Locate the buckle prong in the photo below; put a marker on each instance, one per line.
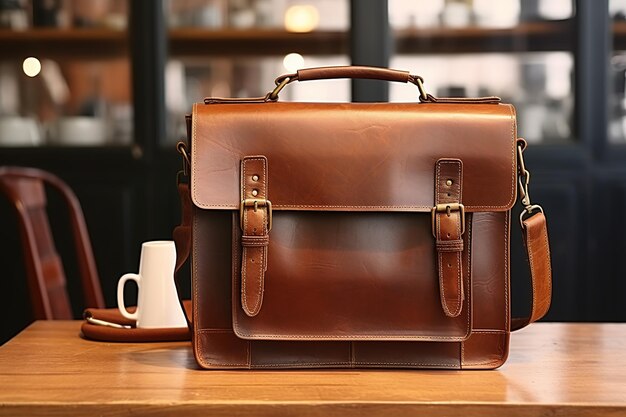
(255, 204)
(448, 208)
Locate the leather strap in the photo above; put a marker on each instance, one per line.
(255, 237)
(448, 231)
(182, 239)
(535, 234)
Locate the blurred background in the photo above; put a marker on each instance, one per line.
(96, 92)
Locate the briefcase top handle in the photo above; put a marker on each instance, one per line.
(372, 73)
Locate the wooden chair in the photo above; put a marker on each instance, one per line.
(25, 188)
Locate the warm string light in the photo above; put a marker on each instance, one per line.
(293, 62)
(31, 66)
(301, 18)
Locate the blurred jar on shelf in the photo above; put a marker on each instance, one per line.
(98, 99)
(617, 101)
(209, 14)
(110, 14)
(19, 131)
(13, 14)
(617, 98)
(73, 102)
(494, 14)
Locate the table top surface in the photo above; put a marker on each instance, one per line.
(553, 368)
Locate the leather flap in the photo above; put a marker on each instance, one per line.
(354, 156)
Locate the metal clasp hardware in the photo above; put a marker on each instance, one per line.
(448, 208)
(273, 95)
(523, 177)
(419, 82)
(256, 203)
(524, 180)
(181, 147)
(181, 175)
(528, 210)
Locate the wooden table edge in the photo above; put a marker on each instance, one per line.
(314, 408)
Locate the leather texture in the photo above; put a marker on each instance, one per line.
(383, 241)
(354, 157)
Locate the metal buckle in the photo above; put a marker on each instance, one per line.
(528, 210)
(256, 203)
(524, 180)
(181, 147)
(448, 208)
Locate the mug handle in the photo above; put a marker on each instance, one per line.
(120, 296)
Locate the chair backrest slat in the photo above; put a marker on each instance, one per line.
(25, 188)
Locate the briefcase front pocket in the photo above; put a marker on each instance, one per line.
(350, 276)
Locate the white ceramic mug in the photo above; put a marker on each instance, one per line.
(157, 304)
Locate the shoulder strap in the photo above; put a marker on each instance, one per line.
(535, 234)
(182, 239)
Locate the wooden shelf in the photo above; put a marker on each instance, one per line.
(229, 42)
(536, 36)
(103, 43)
(66, 43)
(531, 36)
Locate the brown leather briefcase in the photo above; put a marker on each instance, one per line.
(356, 235)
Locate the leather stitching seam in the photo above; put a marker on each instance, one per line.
(507, 271)
(382, 364)
(491, 332)
(459, 300)
(532, 274)
(442, 288)
(277, 207)
(469, 286)
(357, 338)
(244, 251)
(548, 260)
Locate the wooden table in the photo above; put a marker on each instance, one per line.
(553, 369)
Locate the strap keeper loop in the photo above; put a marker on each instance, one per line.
(455, 245)
(263, 240)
